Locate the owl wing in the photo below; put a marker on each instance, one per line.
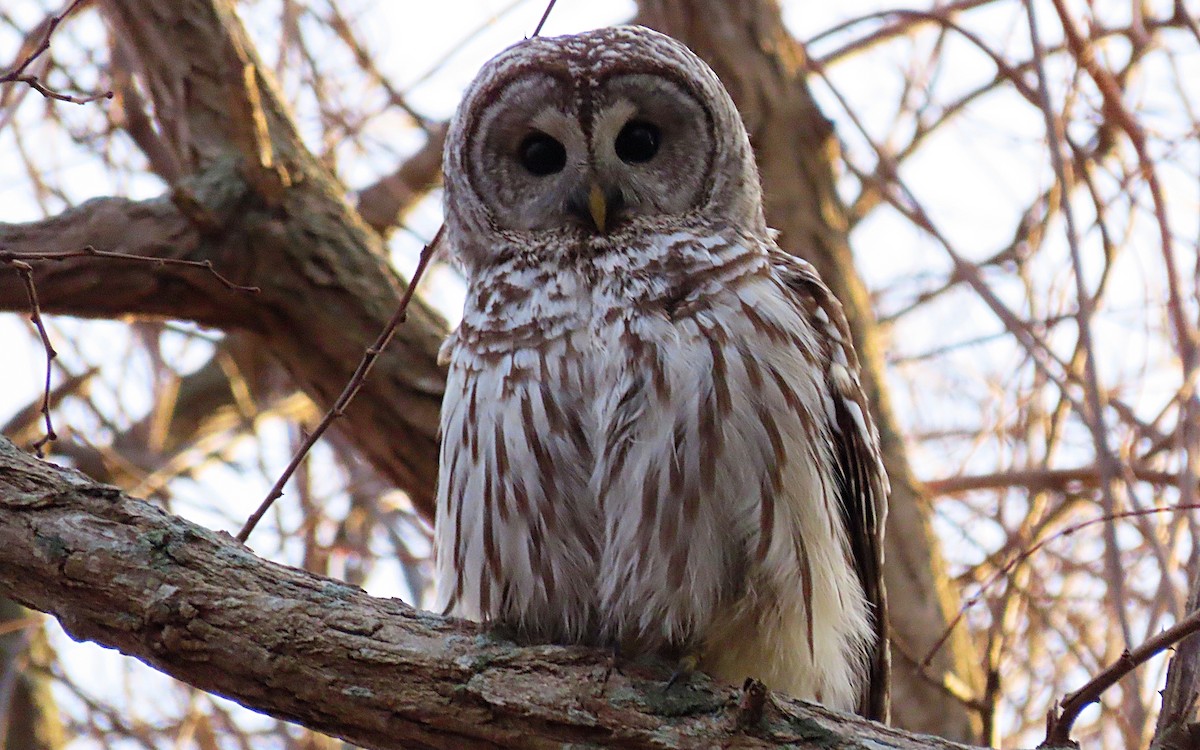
(862, 481)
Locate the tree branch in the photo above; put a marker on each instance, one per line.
(1078, 479)
(200, 607)
(93, 287)
(266, 214)
(1062, 718)
(382, 204)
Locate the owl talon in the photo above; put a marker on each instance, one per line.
(684, 668)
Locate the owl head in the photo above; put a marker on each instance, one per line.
(591, 137)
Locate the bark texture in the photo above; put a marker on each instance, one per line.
(197, 605)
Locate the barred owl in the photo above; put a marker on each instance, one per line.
(653, 434)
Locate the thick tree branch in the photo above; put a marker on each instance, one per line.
(195, 604)
(104, 288)
(325, 295)
(327, 288)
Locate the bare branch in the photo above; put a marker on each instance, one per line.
(202, 608)
(1059, 722)
(35, 315)
(18, 74)
(1028, 552)
(36, 84)
(545, 16)
(50, 26)
(21, 260)
(1040, 480)
(349, 392)
(162, 282)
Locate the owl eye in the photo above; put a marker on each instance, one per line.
(541, 154)
(637, 142)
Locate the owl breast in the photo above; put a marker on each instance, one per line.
(715, 472)
(518, 536)
(636, 451)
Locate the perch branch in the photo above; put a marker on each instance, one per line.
(200, 607)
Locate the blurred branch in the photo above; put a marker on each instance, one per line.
(383, 204)
(47, 29)
(1024, 554)
(1062, 719)
(18, 75)
(22, 426)
(29, 716)
(1040, 480)
(1093, 414)
(1115, 110)
(899, 22)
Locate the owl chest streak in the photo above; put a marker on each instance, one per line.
(585, 411)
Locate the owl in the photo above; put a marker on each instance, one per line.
(653, 433)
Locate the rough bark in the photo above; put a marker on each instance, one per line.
(197, 605)
(764, 69)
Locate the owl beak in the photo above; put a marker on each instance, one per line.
(598, 206)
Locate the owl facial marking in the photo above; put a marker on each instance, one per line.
(600, 133)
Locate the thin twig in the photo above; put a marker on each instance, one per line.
(35, 315)
(8, 256)
(1027, 553)
(348, 393)
(1093, 417)
(18, 74)
(22, 264)
(1114, 108)
(546, 15)
(36, 84)
(900, 23)
(42, 47)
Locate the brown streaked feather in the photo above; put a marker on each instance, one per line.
(861, 477)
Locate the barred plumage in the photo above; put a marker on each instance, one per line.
(653, 432)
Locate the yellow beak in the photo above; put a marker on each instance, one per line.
(598, 206)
